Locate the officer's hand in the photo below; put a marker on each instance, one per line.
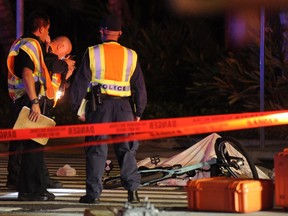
(35, 112)
(82, 118)
(47, 40)
(71, 67)
(137, 119)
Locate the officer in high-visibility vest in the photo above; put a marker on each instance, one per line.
(60, 68)
(60, 71)
(28, 79)
(110, 73)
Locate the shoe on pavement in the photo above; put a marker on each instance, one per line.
(53, 184)
(50, 184)
(133, 197)
(51, 196)
(47, 196)
(86, 199)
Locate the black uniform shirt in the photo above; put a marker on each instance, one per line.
(23, 60)
(54, 64)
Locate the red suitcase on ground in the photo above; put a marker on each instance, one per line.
(281, 178)
(229, 194)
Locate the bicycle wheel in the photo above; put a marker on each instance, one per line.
(146, 179)
(151, 178)
(112, 182)
(233, 157)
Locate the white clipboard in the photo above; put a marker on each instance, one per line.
(81, 110)
(23, 122)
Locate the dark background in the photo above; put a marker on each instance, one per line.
(188, 67)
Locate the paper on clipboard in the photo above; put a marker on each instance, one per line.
(81, 110)
(23, 122)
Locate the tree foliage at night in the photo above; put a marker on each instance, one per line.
(187, 68)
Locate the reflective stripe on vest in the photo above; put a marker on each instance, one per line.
(33, 48)
(56, 81)
(112, 66)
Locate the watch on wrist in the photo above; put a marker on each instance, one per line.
(35, 101)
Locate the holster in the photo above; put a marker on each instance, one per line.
(94, 97)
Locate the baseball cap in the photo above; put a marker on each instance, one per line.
(111, 22)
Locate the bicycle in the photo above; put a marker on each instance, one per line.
(232, 161)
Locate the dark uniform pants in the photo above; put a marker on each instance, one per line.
(31, 176)
(111, 110)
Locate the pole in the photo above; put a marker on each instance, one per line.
(19, 18)
(262, 72)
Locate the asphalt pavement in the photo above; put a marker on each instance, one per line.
(165, 200)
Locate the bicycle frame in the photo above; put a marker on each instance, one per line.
(232, 160)
(168, 173)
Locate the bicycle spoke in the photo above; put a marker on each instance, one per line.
(234, 157)
(244, 168)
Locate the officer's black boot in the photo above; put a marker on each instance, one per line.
(133, 197)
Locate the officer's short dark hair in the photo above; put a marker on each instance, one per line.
(37, 20)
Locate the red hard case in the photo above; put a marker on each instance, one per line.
(281, 178)
(224, 194)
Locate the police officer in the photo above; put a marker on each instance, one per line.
(29, 77)
(114, 71)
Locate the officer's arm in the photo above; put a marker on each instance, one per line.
(138, 84)
(29, 84)
(54, 64)
(80, 83)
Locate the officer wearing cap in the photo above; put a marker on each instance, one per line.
(112, 75)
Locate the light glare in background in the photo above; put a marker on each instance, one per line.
(213, 6)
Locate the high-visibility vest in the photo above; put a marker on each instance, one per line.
(112, 66)
(56, 81)
(15, 85)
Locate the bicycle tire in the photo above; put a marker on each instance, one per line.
(146, 179)
(112, 182)
(152, 178)
(228, 147)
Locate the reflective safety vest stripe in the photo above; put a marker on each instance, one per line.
(33, 48)
(112, 66)
(56, 81)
